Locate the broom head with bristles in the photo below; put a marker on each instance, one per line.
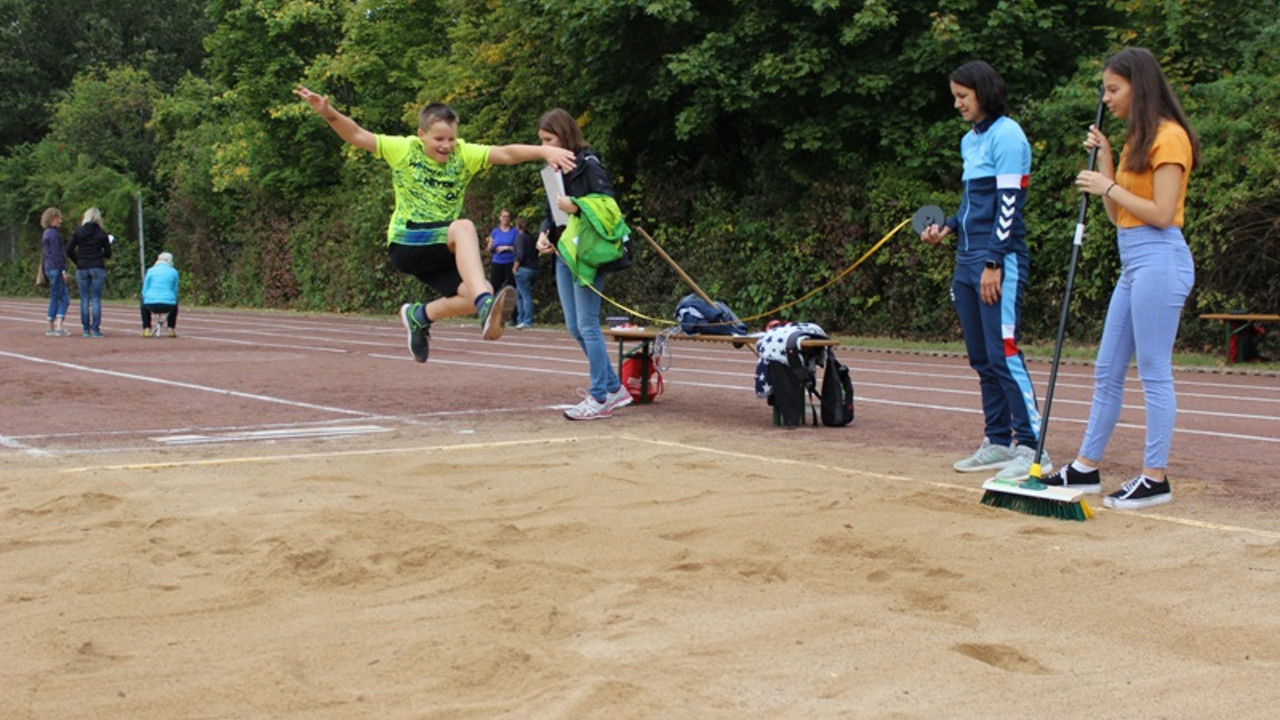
(1033, 497)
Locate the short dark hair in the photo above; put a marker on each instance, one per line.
(435, 112)
(986, 84)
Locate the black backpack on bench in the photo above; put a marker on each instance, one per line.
(795, 381)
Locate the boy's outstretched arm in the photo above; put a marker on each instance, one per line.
(515, 154)
(346, 128)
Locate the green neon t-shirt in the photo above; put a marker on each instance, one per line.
(429, 194)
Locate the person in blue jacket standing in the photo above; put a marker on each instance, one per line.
(160, 295)
(54, 266)
(992, 263)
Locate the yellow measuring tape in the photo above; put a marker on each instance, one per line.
(780, 308)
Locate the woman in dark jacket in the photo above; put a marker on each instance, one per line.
(581, 303)
(90, 249)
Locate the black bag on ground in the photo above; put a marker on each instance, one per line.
(697, 316)
(791, 388)
(794, 382)
(837, 393)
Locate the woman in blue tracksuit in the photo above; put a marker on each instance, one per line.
(992, 263)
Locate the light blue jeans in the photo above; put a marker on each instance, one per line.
(59, 295)
(1156, 275)
(91, 283)
(524, 295)
(582, 318)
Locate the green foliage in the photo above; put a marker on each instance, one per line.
(45, 45)
(766, 144)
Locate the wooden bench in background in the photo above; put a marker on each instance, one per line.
(1237, 323)
(646, 337)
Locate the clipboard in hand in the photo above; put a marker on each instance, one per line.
(553, 183)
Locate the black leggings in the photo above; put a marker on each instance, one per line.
(170, 310)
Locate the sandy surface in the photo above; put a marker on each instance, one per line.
(604, 575)
(448, 546)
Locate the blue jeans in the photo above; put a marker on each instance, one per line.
(524, 295)
(59, 295)
(91, 282)
(1156, 275)
(582, 318)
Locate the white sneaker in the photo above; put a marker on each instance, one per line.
(618, 398)
(589, 409)
(987, 457)
(1020, 467)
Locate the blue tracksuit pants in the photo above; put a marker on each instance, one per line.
(991, 333)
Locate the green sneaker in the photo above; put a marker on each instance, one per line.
(987, 457)
(495, 310)
(419, 333)
(1019, 468)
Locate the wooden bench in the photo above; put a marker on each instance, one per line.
(646, 337)
(1236, 324)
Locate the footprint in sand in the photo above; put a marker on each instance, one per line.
(1002, 657)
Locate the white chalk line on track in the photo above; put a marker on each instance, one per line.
(862, 383)
(711, 352)
(612, 439)
(363, 414)
(340, 325)
(294, 433)
(185, 385)
(13, 443)
(320, 455)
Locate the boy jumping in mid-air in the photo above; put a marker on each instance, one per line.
(426, 238)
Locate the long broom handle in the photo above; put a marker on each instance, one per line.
(683, 275)
(1066, 297)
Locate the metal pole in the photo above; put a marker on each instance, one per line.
(142, 243)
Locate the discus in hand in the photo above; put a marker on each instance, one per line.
(926, 217)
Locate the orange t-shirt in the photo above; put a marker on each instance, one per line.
(1171, 146)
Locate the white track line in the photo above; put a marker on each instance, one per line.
(188, 386)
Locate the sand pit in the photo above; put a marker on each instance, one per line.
(606, 575)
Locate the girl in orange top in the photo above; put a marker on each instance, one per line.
(1144, 197)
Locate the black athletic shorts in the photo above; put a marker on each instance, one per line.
(433, 264)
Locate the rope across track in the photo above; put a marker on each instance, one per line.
(838, 277)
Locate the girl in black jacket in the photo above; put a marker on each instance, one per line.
(581, 303)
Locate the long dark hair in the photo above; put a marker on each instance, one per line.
(986, 84)
(1151, 101)
(561, 124)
